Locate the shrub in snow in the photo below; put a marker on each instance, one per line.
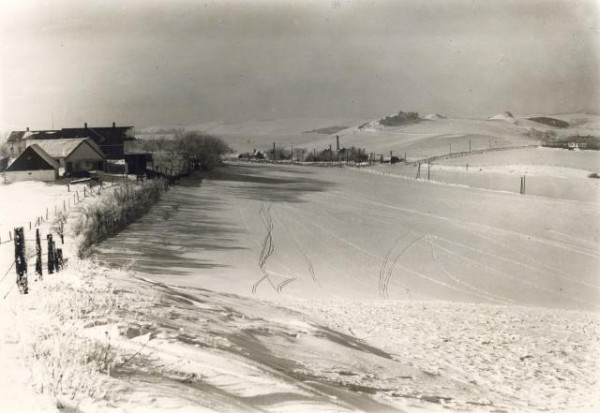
(113, 212)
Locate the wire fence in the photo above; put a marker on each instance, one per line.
(77, 193)
(32, 257)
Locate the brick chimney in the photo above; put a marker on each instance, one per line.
(85, 125)
(27, 129)
(114, 125)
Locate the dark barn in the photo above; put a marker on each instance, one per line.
(110, 139)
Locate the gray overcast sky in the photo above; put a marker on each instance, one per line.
(159, 62)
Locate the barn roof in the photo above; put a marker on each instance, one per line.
(39, 152)
(62, 148)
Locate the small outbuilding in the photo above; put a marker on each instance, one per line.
(33, 164)
(137, 160)
(74, 155)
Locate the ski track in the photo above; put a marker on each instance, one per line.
(541, 264)
(532, 284)
(387, 279)
(384, 287)
(513, 262)
(303, 227)
(267, 249)
(485, 228)
(462, 224)
(483, 293)
(476, 233)
(299, 248)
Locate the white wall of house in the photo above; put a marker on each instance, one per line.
(43, 175)
(84, 158)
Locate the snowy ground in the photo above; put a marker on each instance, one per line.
(551, 173)
(291, 289)
(25, 204)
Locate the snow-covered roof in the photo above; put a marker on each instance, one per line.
(62, 148)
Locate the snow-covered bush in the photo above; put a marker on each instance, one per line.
(112, 212)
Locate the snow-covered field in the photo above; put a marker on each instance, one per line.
(490, 296)
(553, 173)
(290, 289)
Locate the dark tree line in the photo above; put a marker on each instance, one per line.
(191, 149)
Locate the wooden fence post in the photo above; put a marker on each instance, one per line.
(419, 170)
(38, 254)
(50, 255)
(55, 256)
(20, 260)
(428, 170)
(59, 258)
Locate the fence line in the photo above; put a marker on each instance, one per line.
(66, 204)
(24, 258)
(453, 155)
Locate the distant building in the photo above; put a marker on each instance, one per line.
(110, 139)
(33, 164)
(73, 155)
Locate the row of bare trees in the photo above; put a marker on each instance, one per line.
(191, 150)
